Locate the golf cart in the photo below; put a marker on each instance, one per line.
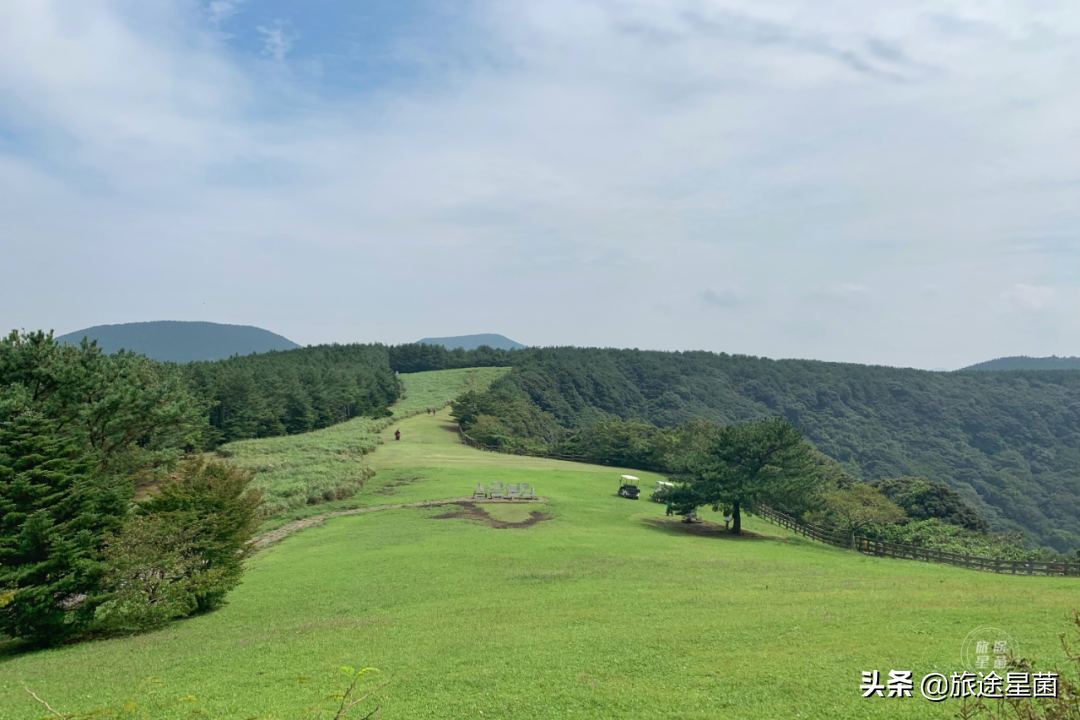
(662, 487)
(628, 490)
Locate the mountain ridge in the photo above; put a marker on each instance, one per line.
(471, 342)
(182, 341)
(1023, 362)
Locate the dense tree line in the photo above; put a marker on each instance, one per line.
(293, 391)
(1008, 442)
(421, 357)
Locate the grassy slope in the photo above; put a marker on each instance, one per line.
(597, 613)
(297, 471)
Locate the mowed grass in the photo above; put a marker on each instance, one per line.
(436, 389)
(298, 471)
(606, 610)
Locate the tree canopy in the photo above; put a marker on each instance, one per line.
(738, 467)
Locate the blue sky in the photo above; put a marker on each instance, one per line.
(869, 182)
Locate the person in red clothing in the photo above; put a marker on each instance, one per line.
(397, 434)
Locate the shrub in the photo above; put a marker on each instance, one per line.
(154, 573)
(923, 499)
(211, 511)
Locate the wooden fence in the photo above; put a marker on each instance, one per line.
(880, 548)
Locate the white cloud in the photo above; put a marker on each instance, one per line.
(1028, 297)
(218, 11)
(278, 40)
(565, 157)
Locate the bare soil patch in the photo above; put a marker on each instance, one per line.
(472, 511)
(274, 536)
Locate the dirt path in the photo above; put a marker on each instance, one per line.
(274, 536)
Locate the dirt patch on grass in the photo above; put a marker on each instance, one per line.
(472, 511)
(274, 536)
(705, 529)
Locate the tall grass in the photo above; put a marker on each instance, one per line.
(324, 465)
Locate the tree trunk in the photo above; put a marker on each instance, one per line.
(736, 520)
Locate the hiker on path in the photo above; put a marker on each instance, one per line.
(397, 434)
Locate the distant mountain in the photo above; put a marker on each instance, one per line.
(1023, 362)
(471, 342)
(182, 342)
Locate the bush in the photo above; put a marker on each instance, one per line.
(851, 510)
(154, 574)
(937, 535)
(186, 550)
(924, 499)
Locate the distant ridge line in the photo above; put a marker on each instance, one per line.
(182, 341)
(471, 342)
(1023, 362)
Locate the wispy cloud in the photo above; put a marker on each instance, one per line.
(278, 39)
(218, 11)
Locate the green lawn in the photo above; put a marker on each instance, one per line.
(606, 610)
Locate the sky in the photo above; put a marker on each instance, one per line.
(885, 183)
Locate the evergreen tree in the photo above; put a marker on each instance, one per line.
(737, 467)
(55, 512)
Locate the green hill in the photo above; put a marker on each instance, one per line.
(599, 608)
(181, 342)
(1023, 362)
(1008, 442)
(471, 342)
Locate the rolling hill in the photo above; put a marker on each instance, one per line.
(1009, 442)
(1023, 362)
(581, 604)
(182, 342)
(471, 342)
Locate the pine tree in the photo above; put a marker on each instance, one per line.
(54, 514)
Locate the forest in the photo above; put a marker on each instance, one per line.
(1008, 442)
(290, 392)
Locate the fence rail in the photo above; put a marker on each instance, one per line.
(519, 451)
(881, 548)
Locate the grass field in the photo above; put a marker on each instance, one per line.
(604, 610)
(298, 471)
